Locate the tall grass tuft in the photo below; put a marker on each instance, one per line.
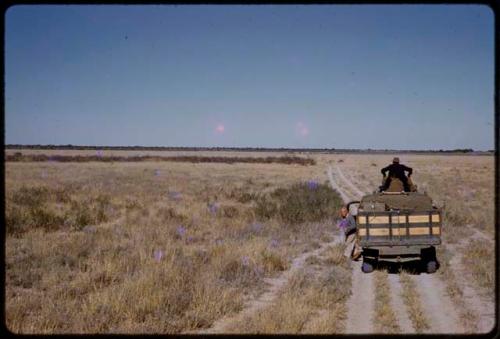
(299, 203)
(33, 207)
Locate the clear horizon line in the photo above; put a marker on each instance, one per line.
(41, 146)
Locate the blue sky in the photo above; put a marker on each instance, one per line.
(343, 76)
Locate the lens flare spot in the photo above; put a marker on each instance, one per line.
(220, 128)
(302, 129)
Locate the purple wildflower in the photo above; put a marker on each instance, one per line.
(213, 207)
(158, 255)
(219, 241)
(175, 195)
(256, 227)
(274, 243)
(98, 153)
(245, 261)
(312, 184)
(181, 231)
(157, 173)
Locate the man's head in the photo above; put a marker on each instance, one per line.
(395, 160)
(344, 211)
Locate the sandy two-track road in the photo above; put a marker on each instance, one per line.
(437, 306)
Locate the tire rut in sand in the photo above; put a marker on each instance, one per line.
(353, 187)
(398, 305)
(361, 302)
(360, 305)
(438, 307)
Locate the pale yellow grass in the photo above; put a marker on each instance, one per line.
(312, 302)
(104, 278)
(413, 305)
(385, 319)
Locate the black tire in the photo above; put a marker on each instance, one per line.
(431, 266)
(429, 261)
(367, 267)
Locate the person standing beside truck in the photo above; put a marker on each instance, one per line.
(396, 170)
(348, 225)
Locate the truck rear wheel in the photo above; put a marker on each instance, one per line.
(367, 266)
(431, 266)
(429, 260)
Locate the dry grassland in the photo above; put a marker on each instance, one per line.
(151, 247)
(312, 302)
(170, 247)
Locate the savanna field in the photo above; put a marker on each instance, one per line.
(172, 246)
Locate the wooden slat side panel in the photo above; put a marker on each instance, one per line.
(399, 231)
(398, 218)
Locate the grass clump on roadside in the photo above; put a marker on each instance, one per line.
(479, 259)
(299, 203)
(468, 318)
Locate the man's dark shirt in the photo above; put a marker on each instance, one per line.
(397, 170)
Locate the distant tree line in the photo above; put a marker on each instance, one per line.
(238, 149)
(288, 160)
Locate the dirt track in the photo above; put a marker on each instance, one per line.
(438, 307)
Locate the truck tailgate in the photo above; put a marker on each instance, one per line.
(393, 228)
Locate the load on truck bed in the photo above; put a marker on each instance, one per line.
(398, 227)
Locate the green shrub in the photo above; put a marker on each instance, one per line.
(46, 219)
(92, 211)
(19, 219)
(265, 207)
(31, 196)
(28, 207)
(80, 214)
(62, 195)
(299, 203)
(15, 219)
(241, 195)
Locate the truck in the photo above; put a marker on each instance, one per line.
(398, 226)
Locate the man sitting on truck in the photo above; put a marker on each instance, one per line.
(396, 170)
(348, 225)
